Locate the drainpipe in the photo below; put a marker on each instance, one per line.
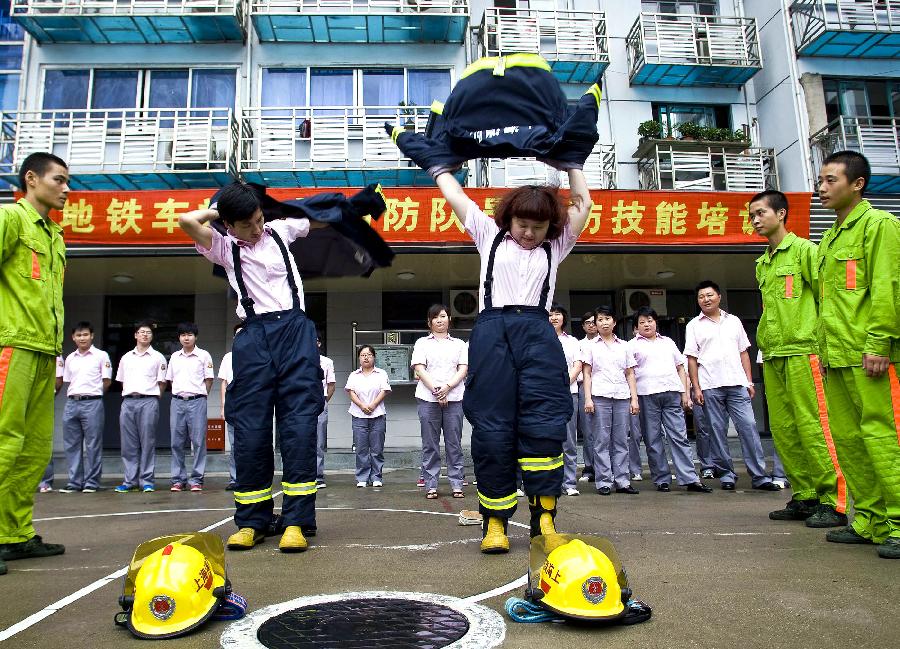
(752, 128)
(800, 116)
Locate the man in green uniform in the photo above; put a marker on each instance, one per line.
(859, 345)
(32, 264)
(788, 280)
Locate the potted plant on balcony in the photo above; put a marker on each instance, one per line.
(689, 130)
(408, 113)
(650, 130)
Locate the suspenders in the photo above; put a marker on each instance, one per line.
(489, 275)
(246, 300)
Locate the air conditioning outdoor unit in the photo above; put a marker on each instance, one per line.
(463, 303)
(634, 298)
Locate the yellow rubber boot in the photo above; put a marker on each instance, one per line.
(245, 538)
(293, 540)
(543, 512)
(495, 540)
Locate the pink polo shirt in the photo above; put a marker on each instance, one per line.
(225, 370)
(518, 273)
(367, 388)
(85, 372)
(441, 358)
(717, 346)
(262, 265)
(608, 363)
(327, 366)
(657, 364)
(188, 372)
(572, 349)
(141, 373)
(60, 366)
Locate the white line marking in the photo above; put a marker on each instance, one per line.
(135, 513)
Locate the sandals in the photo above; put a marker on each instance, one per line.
(457, 493)
(432, 494)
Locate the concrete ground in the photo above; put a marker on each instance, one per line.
(715, 569)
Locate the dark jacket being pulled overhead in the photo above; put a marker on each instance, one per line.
(504, 107)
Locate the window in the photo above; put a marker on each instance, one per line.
(9, 91)
(860, 98)
(283, 87)
(671, 115)
(330, 87)
(696, 7)
(407, 309)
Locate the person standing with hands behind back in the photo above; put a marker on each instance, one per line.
(367, 388)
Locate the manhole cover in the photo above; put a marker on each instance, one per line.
(365, 624)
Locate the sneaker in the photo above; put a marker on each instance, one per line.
(846, 535)
(89, 490)
(420, 482)
(780, 483)
(176, 487)
(377, 483)
(148, 488)
(45, 488)
(707, 474)
(124, 488)
(320, 484)
(795, 510)
(30, 549)
(572, 492)
(360, 485)
(604, 491)
(636, 477)
(768, 486)
(465, 483)
(584, 478)
(520, 493)
(890, 549)
(69, 489)
(826, 516)
(196, 487)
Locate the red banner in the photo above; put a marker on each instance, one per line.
(422, 216)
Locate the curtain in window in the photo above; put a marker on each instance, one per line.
(382, 88)
(168, 89)
(65, 89)
(9, 91)
(425, 86)
(331, 87)
(284, 87)
(212, 89)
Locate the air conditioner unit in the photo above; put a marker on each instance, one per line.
(634, 298)
(463, 303)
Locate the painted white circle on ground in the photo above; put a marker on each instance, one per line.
(486, 626)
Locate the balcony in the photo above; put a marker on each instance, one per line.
(126, 149)
(705, 166)
(326, 146)
(868, 29)
(131, 21)
(600, 170)
(573, 42)
(877, 138)
(691, 50)
(360, 21)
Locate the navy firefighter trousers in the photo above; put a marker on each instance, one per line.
(276, 367)
(518, 401)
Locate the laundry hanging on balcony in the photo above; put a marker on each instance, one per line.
(348, 248)
(505, 107)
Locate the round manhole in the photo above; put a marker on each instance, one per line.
(363, 624)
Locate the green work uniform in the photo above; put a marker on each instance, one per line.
(786, 336)
(32, 265)
(859, 313)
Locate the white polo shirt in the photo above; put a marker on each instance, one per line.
(141, 372)
(188, 372)
(85, 372)
(572, 349)
(327, 366)
(367, 388)
(441, 358)
(225, 371)
(717, 346)
(657, 364)
(608, 363)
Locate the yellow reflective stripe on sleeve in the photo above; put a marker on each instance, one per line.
(299, 488)
(595, 90)
(396, 133)
(524, 60)
(437, 107)
(507, 502)
(250, 497)
(540, 463)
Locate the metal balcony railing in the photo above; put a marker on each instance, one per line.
(123, 141)
(282, 7)
(812, 19)
(698, 166)
(692, 40)
(324, 137)
(125, 7)
(600, 170)
(877, 138)
(555, 35)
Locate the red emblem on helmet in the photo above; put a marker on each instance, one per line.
(162, 607)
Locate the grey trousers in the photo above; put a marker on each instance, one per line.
(368, 436)
(187, 421)
(47, 480)
(635, 434)
(662, 418)
(433, 419)
(585, 427)
(570, 449)
(702, 428)
(321, 442)
(83, 423)
(137, 427)
(610, 437)
(232, 472)
(733, 401)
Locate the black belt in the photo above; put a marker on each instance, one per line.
(190, 398)
(138, 396)
(85, 397)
